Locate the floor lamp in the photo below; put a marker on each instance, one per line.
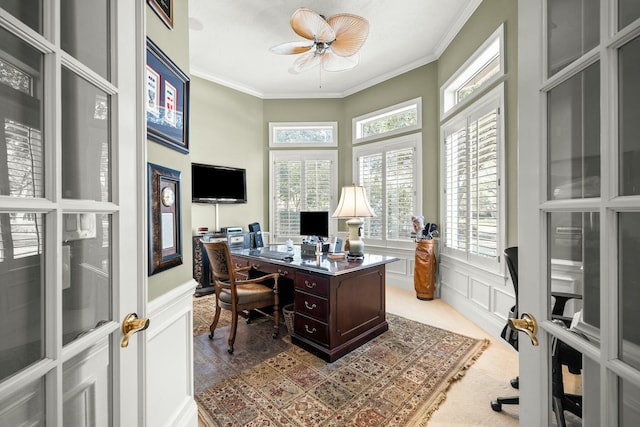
(354, 205)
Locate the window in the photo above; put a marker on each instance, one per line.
(472, 169)
(317, 134)
(404, 117)
(390, 171)
(301, 180)
(483, 68)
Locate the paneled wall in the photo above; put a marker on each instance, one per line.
(169, 359)
(483, 297)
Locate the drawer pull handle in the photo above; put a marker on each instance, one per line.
(310, 331)
(309, 307)
(309, 285)
(282, 272)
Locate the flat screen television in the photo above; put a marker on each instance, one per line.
(218, 184)
(314, 223)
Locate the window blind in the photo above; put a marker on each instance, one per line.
(472, 186)
(298, 185)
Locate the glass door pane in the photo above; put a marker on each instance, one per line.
(84, 32)
(85, 140)
(628, 11)
(21, 291)
(574, 136)
(21, 88)
(574, 270)
(629, 287)
(28, 11)
(629, 101)
(629, 408)
(86, 253)
(573, 30)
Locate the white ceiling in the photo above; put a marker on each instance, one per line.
(229, 43)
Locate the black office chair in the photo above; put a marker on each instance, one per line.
(508, 334)
(562, 353)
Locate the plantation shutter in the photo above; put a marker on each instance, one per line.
(483, 186)
(299, 185)
(317, 185)
(288, 190)
(400, 192)
(456, 225)
(370, 174)
(472, 186)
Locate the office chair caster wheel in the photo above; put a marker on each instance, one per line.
(496, 406)
(211, 336)
(274, 335)
(230, 349)
(515, 382)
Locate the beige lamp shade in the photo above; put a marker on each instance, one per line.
(353, 203)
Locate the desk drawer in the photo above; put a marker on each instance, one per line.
(239, 262)
(312, 306)
(311, 329)
(267, 268)
(314, 284)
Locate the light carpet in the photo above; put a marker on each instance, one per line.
(397, 379)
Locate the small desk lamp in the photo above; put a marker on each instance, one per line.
(353, 204)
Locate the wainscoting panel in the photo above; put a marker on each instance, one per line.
(455, 280)
(502, 303)
(481, 293)
(482, 296)
(169, 359)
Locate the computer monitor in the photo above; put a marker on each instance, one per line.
(314, 223)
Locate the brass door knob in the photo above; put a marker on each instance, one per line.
(527, 324)
(130, 325)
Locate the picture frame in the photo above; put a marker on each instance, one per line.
(167, 100)
(165, 234)
(164, 10)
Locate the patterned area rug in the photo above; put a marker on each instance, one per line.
(203, 310)
(397, 379)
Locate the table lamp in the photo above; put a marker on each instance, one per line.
(354, 205)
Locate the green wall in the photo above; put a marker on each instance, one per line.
(230, 128)
(227, 129)
(486, 19)
(175, 44)
(420, 82)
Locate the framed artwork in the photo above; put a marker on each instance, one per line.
(164, 9)
(165, 241)
(167, 101)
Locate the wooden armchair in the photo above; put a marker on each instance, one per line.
(238, 295)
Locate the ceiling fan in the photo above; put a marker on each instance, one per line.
(332, 42)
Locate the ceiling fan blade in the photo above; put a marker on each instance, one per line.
(333, 62)
(292, 48)
(308, 24)
(305, 62)
(351, 33)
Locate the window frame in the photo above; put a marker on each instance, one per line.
(357, 121)
(275, 126)
(494, 99)
(413, 141)
(302, 155)
(467, 71)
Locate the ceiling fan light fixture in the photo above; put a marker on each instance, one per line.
(332, 42)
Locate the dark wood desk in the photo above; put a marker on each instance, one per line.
(339, 305)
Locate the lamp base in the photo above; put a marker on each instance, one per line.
(355, 257)
(356, 245)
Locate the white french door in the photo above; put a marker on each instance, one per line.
(579, 208)
(71, 144)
